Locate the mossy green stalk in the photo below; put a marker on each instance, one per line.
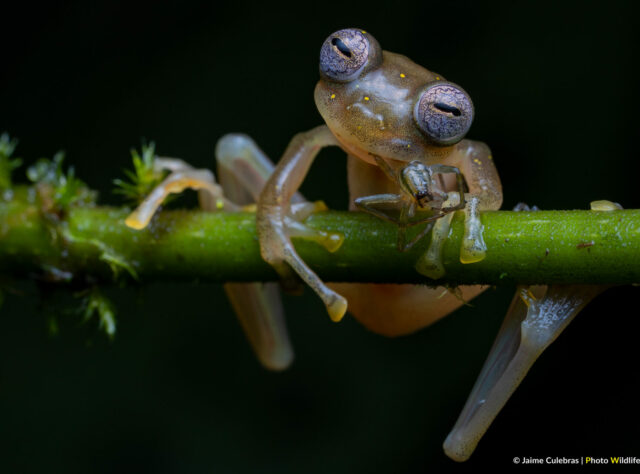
(523, 247)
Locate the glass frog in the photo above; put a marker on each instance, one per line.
(402, 127)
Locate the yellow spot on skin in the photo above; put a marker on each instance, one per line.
(408, 146)
(437, 78)
(490, 157)
(363, 32)
(402, 75)
(359, 127)
(333, 96)
(366, 98)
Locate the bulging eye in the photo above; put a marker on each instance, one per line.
(444, 113)
(347, 53)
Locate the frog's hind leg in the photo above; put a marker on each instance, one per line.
(258, 307)
(536, 317)
(243, 171)
(182, 176)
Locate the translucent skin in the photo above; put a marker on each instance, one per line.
(370, 114)
(374, 115)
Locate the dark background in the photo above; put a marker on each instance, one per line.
(179, 390)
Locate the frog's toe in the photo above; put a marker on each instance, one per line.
(604, 205)
(473, 248)
(430, 263)
(331, 241)
(211, 195)
(337, 308)
(278, 251)
(336, 304)
(535, 319)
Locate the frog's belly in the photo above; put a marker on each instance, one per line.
(394, 309)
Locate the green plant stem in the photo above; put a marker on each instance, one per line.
(523, 247)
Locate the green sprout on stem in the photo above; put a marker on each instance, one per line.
(96, 303)
(144, 176)
(7, 164)
(64, 189)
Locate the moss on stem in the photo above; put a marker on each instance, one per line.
(523, 247)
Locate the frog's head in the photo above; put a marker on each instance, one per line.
(381, 103)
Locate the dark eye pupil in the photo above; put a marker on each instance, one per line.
(447, 109)
(338, 43)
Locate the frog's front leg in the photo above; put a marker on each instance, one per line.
(391, 309)
(275, 221)
(423, 199)
(475, 163)
(430, 263)
(485, 193)
(399, 210)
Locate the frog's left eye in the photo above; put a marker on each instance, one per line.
(347, 53)
(444, 113)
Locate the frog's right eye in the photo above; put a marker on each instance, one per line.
(444, 113)
(347, 53)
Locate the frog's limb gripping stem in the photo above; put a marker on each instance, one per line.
(485, 193)
(243, 171)
(401, 209)
(398, 210)
(274, 209)
(430, 263)
(182, 176)
(444, 169)
(473, 248)
(331, 241)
